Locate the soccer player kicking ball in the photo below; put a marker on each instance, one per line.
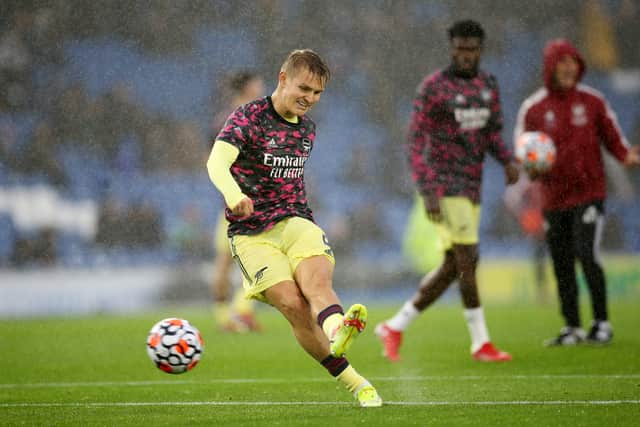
(456, 120)
(257, 163)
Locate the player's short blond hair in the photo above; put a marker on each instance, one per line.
(306, 59)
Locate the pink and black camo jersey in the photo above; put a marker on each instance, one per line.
(270, 166)
(455, 120)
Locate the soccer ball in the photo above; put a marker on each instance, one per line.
(535, 151)
(175, 345)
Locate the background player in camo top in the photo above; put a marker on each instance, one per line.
(456, 120)
(235, 314)
(257, 163)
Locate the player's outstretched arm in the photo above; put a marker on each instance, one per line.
(222, 157)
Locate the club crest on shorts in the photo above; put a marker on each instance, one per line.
(260, 273)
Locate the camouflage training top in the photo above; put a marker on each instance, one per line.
(455, 120)
(270, 166)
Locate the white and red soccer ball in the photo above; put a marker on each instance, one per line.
(535, 151)
(174, 345)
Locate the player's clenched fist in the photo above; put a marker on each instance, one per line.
(243, 208)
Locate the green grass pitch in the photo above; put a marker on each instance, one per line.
(95, 371)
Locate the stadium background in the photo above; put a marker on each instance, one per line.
(105, 121)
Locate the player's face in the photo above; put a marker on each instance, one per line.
(465, 53)
(567, 69)
(301, 91)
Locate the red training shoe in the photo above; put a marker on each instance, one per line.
(488, 353)
(233, 326)
(250, 322)
(391, 341)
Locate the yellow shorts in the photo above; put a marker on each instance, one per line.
(271, 257)
(460, 222)
(221, 241)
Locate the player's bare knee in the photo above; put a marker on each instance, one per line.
(318, 284)
(295, 308)
(321, 285)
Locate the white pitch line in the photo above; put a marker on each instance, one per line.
(311, 380)
(262, 403)
(508, 377)
(151, 383)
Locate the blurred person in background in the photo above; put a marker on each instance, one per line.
(111, 222)
(598, 36)
(16, 62)
(190, 237)
(456, 119)
(257, 163)
(39, 157)
(524, 201)
(627, 33)
(235, 314)
(579, 120)
(421, 244)
(38, 250)
(143, 226)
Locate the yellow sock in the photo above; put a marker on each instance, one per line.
(242, 305)
(221, 313)
(332, 323)
(351, 379)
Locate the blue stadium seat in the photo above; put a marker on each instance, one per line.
(180, 86)
(7, 237)
(72, 250)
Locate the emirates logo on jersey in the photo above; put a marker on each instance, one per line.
(286, 166)
(472, 118)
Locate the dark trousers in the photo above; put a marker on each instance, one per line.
(574, 234)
